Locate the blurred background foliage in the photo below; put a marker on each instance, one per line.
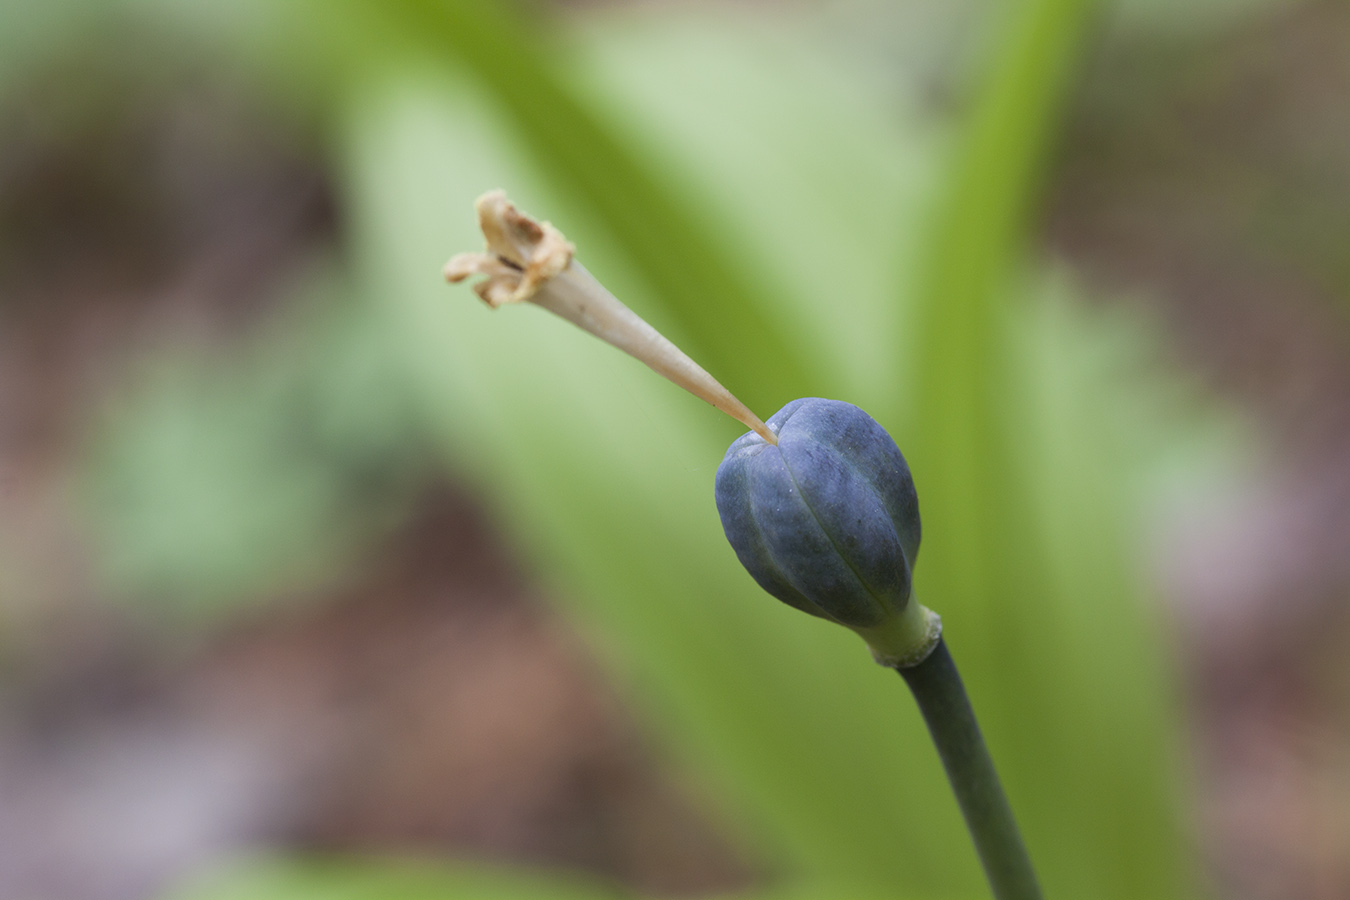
(847, 199)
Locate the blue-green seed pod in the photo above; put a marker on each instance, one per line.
(828, 522)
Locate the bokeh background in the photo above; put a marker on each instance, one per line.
(319, 580)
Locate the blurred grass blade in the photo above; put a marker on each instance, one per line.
(1067, 753)
(980, 227)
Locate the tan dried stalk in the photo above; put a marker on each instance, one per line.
(528, 260)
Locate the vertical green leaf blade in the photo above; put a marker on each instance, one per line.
(1063, 671)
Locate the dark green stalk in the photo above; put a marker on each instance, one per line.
(942, 699)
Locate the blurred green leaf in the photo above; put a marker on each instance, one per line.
(223, 476)
(1059, 654)
(816, 195)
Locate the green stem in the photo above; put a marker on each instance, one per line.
(942, 699)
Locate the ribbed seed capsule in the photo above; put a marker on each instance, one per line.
(828, 521)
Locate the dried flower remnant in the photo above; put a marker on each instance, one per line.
(528, 260)
(522, 253)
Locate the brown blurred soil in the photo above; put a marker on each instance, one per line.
(1208, 183)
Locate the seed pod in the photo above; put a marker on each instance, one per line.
(828, 522)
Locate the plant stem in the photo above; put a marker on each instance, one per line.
(936, 685)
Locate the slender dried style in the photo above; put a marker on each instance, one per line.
(528, 260)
